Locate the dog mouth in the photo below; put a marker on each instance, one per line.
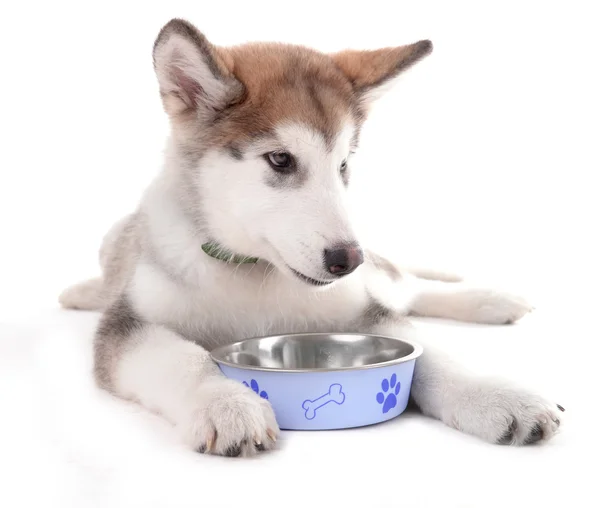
(310, 280)
(304, 278)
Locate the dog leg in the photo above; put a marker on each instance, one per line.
(87, 295)
(176, 378)
(492, 409)
(435, 294)
(461, 302)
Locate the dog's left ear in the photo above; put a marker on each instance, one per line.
(373, 72)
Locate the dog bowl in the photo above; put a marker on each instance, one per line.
(321, 381)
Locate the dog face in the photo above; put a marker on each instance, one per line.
(263, 136)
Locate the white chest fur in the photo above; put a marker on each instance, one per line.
(233, 303)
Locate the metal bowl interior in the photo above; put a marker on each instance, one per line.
(316, 352)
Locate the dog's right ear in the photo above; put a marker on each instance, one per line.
(191, 74)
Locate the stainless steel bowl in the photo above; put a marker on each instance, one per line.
(316, 352)
(325, 381)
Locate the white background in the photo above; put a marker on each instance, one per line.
(483, 160)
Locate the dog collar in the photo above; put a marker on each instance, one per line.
(214, 250)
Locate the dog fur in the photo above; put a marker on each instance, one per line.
(167, 303)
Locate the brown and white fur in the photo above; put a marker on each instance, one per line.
(167, 303)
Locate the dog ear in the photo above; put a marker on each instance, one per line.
(373, 72)
(191, 73)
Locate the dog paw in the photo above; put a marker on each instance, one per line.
(506, 415)
(230, 420)
(497, 308)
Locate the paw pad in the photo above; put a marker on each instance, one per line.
(387, 395)
(254, 386)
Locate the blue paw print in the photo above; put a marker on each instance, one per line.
(254, 385)
(388, 400)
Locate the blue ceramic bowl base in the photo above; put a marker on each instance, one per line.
(332, 399)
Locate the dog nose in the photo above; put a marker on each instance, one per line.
(343, 260)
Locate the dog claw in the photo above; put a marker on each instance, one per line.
(272, 435)
(210, 443)
(258, 444)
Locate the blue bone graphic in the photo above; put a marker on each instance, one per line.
(335, 394)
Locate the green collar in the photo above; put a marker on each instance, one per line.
(216, 251)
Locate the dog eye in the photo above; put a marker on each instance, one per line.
(281, 162)
(344, 166)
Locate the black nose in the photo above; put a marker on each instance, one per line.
(342, 260)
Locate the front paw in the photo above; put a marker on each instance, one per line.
(229, 419)
(504, 415)
(497, 308)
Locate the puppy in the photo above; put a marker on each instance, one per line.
(245, 233)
